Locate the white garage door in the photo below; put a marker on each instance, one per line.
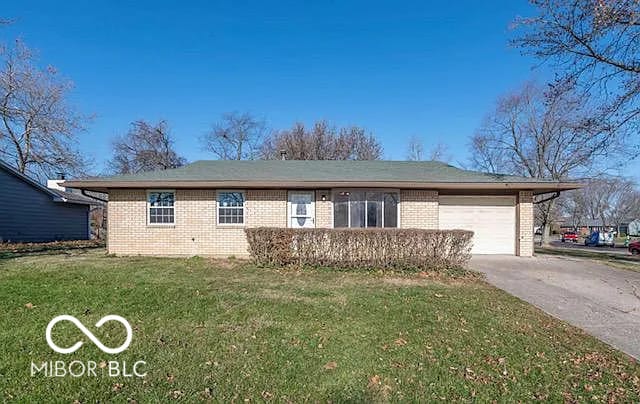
(491, 218)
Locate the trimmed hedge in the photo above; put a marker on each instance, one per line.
(432, 250)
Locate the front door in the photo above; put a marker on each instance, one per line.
(301, 209)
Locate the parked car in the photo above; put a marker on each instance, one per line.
(634, 247)
(569, 236)
(598, 239)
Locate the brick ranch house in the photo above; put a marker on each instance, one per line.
(203, 208)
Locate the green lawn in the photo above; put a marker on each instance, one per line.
(229, 331)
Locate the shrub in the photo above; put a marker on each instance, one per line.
(430, 250)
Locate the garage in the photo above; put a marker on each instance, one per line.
(491, 218)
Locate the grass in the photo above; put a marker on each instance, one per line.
(226, 330)
(615, 260)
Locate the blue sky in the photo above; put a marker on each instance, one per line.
(399, 69)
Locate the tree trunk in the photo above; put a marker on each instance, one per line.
(546, 221)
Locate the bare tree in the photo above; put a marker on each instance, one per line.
(624, 202)
(38, 128)
(440, 152)
(593, 42)
(572, 208)
(415, 149)
(323, 142)
(611, 200)
(145, 147)
(238, 136)
(544, 133)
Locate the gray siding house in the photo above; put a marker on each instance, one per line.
(31, 212)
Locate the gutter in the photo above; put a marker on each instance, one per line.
(541, 187)
(555, 195)
(84, 193)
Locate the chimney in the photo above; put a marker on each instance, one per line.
(57, 183)
(283, 154)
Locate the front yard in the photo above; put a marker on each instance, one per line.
(225, 330)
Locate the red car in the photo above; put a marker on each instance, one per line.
(569, 236)
(634, 247)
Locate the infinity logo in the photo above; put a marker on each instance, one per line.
(96, 341)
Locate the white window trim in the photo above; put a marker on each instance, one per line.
(313, 207)
(336, 191)
(150, 191)
(244, 208)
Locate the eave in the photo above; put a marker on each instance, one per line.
(536, 187)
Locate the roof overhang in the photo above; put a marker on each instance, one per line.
(537, 187)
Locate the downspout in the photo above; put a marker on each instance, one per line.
(553, 196)
(84, 193)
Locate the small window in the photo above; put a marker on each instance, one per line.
(230, 207)
(161, 207)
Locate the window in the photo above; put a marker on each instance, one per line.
(358, 209)
(230, 207)
(161, 207)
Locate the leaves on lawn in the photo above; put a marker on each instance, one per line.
(330, 365)
(400, 342)
(29, 306)
(176, 394)
(206, 394)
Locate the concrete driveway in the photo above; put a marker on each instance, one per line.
(603, 301)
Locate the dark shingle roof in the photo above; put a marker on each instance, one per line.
(321, 174)
(320, 170)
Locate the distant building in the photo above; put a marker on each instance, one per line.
(588, 226)
(31, 212)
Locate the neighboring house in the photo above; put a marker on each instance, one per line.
(31, 212)
(203, 208)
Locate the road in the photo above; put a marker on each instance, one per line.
(579, 246)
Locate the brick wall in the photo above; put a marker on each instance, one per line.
(196, 231)
(524, 212)
(324, 209)
(419, 209)
(266, 208)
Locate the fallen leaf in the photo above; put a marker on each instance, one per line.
(117, 387)
(29, 306)
(266, 395)
(102, 365)
(170, 378)
(374, 381)
(400, 342)
(206, 394)
(176, 394)
(330, 365)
